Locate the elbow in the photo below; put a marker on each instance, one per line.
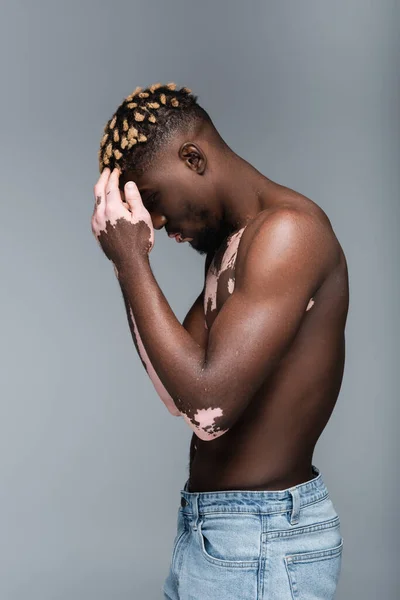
(209, 436)
(207, 423)
(175, 413)
(170, 405)
(208, 419)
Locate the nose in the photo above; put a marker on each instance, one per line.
(158, 220)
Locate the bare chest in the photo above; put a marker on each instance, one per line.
(220, 279)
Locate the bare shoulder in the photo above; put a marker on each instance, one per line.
(300, 233)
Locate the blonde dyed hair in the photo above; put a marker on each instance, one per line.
(143, 121)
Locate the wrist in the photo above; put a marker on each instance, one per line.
(131, 266)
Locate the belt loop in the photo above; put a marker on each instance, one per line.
(295, 511)
(195, 509)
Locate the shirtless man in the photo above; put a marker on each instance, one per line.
(255, 368)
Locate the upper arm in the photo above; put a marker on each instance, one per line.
(283, 266)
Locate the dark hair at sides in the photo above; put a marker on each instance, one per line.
(143, 122)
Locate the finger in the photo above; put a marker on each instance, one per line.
(97, 202)
(133, 197)
(102, 181)
(104, 176)
(100, 193)
(113, 195)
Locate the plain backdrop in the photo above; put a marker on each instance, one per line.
(91, 462)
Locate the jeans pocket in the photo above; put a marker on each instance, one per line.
(180, 530)
(230, 539)
(314, 574)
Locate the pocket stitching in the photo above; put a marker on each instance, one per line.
(291, 560)
(328, 524)
(242, 564)
(313, 555)
(178, 537)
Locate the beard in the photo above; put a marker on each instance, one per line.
(209, 239)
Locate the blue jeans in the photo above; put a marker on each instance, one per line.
(256, 545)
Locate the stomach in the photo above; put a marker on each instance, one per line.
(271, 445)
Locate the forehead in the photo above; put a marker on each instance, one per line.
(142, 183)
(164, 167)
(151, 179)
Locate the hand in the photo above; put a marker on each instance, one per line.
(123, 230)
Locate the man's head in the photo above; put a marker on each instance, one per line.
(166, 143)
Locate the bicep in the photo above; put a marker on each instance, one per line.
(258, 322)
(246, 342)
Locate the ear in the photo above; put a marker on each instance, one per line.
(193, 156)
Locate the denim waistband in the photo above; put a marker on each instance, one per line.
(258, 501)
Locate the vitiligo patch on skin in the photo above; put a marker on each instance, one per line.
(158, 385)
(210, 296)
(228, 262)
(160, 389)
(117, 214)
(229, 258)
(206, 429)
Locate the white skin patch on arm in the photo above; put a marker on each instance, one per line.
(310, 304)
(206, 418)
(160, 389)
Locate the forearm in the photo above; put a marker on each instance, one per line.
(178, 360)
(141, 350)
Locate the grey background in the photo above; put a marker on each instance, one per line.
(91, 462)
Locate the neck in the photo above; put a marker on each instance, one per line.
(244, 193)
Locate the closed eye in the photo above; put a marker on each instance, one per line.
(149, 202)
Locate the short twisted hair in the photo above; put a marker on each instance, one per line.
(143, 122)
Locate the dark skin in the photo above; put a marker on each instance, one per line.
(259, 382)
